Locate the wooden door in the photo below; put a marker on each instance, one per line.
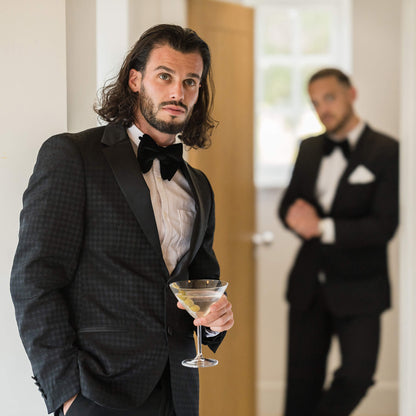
(228, 389)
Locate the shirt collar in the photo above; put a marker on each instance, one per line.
(135, 133)
(355, 134)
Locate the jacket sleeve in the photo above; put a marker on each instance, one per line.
(294, 190)
(50, 237)
(205, 264)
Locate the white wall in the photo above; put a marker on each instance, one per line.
(33, 107)
(81, 52)
(162, 11)
(377, 72)
(407, 213)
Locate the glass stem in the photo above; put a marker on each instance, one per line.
(199, 343)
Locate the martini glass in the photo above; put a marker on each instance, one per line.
(197, 296)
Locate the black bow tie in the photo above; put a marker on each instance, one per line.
(170, 157)
(330, 145)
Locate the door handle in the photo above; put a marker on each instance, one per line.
(264, 238)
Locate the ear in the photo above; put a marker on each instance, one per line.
(353, 94)
(135, 80)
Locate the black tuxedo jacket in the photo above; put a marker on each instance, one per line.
(89, 283)
(365, 216)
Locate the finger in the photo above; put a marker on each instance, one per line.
(217, 309)
(224, 322)
(291, 222)
(223, 326)
(221, 303)
(289, 215)
(217, 314)
(297, 212)
(300, 203)
(180, 306)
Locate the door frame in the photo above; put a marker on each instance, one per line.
(407, 239)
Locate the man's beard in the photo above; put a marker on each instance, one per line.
(342, 123)
(149, 112)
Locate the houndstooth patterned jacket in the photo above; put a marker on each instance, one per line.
(89, 284)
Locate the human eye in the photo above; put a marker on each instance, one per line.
(190, 82)
(164, 76)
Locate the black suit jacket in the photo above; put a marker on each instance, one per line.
(365, 217)
(89, 283)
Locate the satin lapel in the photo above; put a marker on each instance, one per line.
(120, 155)
(357, 157)
(313, 160)
(198, 231)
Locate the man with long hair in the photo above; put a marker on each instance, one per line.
(111, 216)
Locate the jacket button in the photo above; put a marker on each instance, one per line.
(170, 331)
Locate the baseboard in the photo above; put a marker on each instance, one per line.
(381, 400)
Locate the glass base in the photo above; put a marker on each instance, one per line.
(199, 362)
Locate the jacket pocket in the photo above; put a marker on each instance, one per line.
(94, 329)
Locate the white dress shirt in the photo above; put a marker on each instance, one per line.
(173, 206)
(330, 171)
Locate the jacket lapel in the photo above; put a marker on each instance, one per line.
(198, 231)
(314, 162)
(120, 155)
(357, 157)
(316, 158)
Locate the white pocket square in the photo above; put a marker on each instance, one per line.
(361, 175)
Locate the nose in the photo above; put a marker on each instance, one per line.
(177, 91)
(321, 109)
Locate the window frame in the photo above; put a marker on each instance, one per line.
(278, 174)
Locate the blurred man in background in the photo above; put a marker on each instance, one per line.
(342, 201)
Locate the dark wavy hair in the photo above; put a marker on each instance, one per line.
(117, 103)
(331, 72)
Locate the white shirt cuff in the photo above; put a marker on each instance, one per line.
(327, 229)
(210, 333)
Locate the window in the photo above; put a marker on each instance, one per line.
(294, 38)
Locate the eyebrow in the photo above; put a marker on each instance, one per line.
(171, 71)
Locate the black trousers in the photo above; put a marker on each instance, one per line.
(159, 403)
(310, 334)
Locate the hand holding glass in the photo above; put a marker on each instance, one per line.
(197, 296)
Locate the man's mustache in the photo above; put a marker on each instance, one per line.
(177, 103)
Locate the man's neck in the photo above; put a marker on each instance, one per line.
(347, 128)
(161, 139)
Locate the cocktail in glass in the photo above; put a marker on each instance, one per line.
(197, 296)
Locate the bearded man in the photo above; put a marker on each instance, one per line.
(342, 202)
(110, 218)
